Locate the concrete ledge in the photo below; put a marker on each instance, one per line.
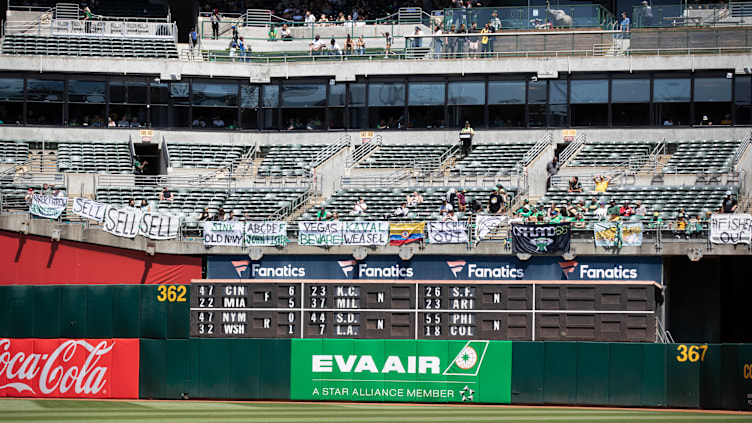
(96, 236)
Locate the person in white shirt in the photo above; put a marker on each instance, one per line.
(309, 18)
(445, 207)
(418, 40)
(317, 44)
(414, 199)
(449, 216)
(218, 122)
(334, 48)
(601, 213)
(356, 210)
(402, 210)
(362, 204)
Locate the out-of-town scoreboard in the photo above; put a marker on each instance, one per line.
(399, 309)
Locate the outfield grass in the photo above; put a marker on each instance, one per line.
(12, 410)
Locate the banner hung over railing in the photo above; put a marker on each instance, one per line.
(731, 229)
(47, 207)
(447, 232)
(617, 234)
(540, 239)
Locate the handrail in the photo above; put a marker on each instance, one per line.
(572, 148)
(447, 156)
(536, 149)
(742, 147)
(389, 180)
(286, 210)
(93, 28)
(330, 150)
(208, 180)
(363, 150)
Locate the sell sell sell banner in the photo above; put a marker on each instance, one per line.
(401, 370)
(69, 368)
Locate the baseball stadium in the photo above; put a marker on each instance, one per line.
(371, 211)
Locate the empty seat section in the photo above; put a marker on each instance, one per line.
(492, 159)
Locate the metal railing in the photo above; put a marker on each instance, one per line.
(535, 150)
(572, 148)
(93, 28)
(214, 179)
(331, 149)
(662, 335)
(363, 150)
(675, 15)
(533, 17)
(446, 157)
(286, 210)
(742, 147)
(392, 179)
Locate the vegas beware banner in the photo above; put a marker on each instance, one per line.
(69, 368)
(540, 239)
(330, 233)
(617, 234)
(47, 206)
(401, 370)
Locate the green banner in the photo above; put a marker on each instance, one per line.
(401, 370)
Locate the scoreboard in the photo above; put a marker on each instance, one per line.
(494, 310)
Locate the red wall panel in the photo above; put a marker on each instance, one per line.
(34, 260)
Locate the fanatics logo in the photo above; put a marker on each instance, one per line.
(347, 266)
(240, 266)
(568, 267)
(456, 266)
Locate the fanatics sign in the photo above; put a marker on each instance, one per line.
(69, 368)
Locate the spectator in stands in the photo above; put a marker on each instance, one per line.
(401, 211)
(445, 207)
(729, 204)
(241, 49)
(88, 17)
(449, 217)
(309, 18)
(438, 41)
(46, 190)
(681, 223)
(335, 217)
(360, 46)
(472, 40)
(495, 22)
(356, 210)
(220, 215)
(485, 39)
(215, 23)
(624, 24)
(166, 195)
(461, 200)
(461, 40)
(694, 227)
(601, 183)
(626, 210)
(334, 48)
(668, 122)
(362, 203)
(29, 195)
(389, 41)
(349, 45)
(218, 122)
(574, 185)
(322, 214)
(231, 217)
(451, 42)
(316, 45)
(273, 32)
(110, 123)
(467, 141)
(495, 202)
(451, 196)
(579, 221)
(613, 208)
(145, 208)
(135, 123)
(418, 37)
(601, 213)
(414, 199)
(552, 169)
(647, 14)
(193, 39)
(640, 210)
(199, 122)
(123, 122)
(726, 119)
(131, 203)
(235, 34)
(139, 166)
(205, 216)
(705, 121)
(655, 221)
(285, 34)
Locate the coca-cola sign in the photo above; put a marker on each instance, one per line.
(69, 368)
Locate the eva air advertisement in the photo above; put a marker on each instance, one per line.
(401, 370)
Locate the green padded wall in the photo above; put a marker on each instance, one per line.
(625, 368)
(654, 375)
(683, 380)
(99, 311)
(245, 361)
(592, 373)
(179, 317)
(153, 369)
(20, 306)
(527, 373)
(560, 372)
(214, 368)
(177, 368)
(744, 382)
(153, 314)
(275, 380)
(47, 311)
(710, 378)
(73, 311)
(126, 309)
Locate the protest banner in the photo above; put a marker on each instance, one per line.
(726, 228)
(533, 238)
(613, 234)
(405, 233)
(447, 232)
(487, 225)
(89, 209)
(365, 233)
(265, 234)
(159, 226)
(47, 207)
(123, 222)
(320, 233)
(223, 233)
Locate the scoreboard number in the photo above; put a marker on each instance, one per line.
(171, 294)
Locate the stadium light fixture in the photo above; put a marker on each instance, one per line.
(56, 234)
(523, 256)
(151, 248)
(406, 253)
(360, 253)
(24, 228)
(256, 253)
